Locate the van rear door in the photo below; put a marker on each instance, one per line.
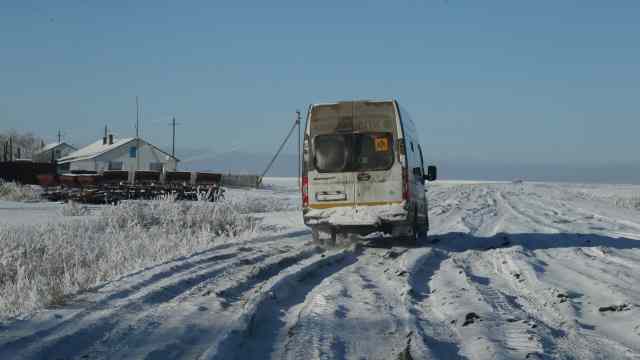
(378, 175)
(331, 182)
(374, 160)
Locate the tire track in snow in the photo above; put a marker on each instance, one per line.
(194, 342)
(95, 323)
(476, 218)
(514, 271)
(363, 299)
(263, 318)
(569, 339)
(432, 337)
(188, 259)
(572, 218)
(446, 206)
(196, 312)
(513, 328)
(510, 205)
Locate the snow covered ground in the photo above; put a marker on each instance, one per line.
(531, 270)
(16, 213)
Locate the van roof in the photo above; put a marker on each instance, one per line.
(352, 101)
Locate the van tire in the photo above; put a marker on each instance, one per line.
(426, 229)
(332, 240)
(410, 240)
(315, 234)
(417, 232)
(319, 240)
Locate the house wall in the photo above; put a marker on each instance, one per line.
(64, 150)
(147, 155)
(87, 165)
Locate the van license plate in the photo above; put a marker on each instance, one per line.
(331, 196)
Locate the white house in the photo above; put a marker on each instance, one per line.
(121, 154)
(53, 151)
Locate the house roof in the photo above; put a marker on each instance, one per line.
(53, 146)
(98, 148)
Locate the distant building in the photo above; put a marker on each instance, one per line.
(122, 154)
(53, 151)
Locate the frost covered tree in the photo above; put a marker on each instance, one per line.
(24, 143)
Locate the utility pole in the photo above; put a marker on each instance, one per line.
(137, 134)
(137, 117)
(299, 154)
(173, 141)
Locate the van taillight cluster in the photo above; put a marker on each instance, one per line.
(405, 184)
(305, 191)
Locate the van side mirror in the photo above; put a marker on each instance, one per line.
(432, 173)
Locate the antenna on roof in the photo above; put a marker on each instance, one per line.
(59, 136)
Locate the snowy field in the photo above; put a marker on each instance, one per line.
(513, 271)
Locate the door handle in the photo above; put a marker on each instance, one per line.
(364, 177)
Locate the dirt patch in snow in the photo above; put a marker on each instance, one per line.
(470, 318)
(615, 308)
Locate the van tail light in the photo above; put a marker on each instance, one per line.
(400, 148)
(305, 191)
(405, 184)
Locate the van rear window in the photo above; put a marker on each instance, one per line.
(353, 152)
(331, 153)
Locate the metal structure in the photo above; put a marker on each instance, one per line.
(115, 185)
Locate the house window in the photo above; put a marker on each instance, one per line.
(115, 165)
(155, 166)
(133, 151)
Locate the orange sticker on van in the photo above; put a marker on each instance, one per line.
(382, 144)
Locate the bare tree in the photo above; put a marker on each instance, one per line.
(28, 143)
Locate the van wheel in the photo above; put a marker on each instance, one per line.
(417, 232)
(426, 229)
(406, 235)
(331, 241)
(412, 238)
(324, 239)
(315, 233)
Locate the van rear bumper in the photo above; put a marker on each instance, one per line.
(360, 217)
(384, 227)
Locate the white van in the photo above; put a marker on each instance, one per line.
(363, 171)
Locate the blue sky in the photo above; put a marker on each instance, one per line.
(544, 82)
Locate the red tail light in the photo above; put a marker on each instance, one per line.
(405, 184)
(305, 191)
